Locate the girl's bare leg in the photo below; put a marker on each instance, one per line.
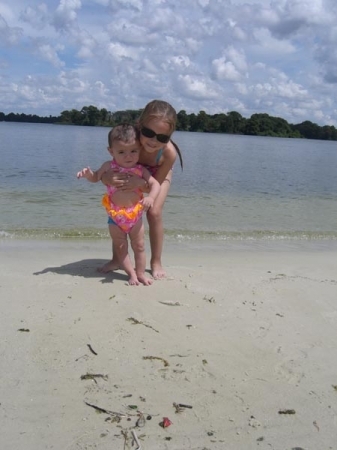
(114, 263)
(156, 229)
(138, 246)
(120, 240)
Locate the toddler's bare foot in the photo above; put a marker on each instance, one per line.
(146, 281)
(157, 271)
(133, 281)
(109, 266)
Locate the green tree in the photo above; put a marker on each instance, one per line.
(237, 120)
(183, 123)
(66, 117)
(260, 124)
(252, 127)
(91, 115)
(308, 129)
(193, 122)
(328, 133)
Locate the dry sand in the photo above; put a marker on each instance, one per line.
(241, 336)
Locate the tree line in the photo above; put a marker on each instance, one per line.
(232, 122)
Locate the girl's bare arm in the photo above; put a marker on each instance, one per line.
(169, 158)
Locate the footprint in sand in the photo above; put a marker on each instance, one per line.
(330, 316)
(290, 370)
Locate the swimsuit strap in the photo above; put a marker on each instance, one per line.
(159, 155)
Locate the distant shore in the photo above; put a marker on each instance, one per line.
(259, 124)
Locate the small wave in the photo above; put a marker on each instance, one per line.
(54, 234)
(254, 235)
(4, 234)
(172, 234)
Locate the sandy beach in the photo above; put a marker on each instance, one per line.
(246, 340)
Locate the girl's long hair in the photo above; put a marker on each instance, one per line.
(159, 109)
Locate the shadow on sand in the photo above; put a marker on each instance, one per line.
(87, 268)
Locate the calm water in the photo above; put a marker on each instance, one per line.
(232, 187)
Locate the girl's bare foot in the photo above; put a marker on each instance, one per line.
(109, 266)
(157, 271)
(146, 281)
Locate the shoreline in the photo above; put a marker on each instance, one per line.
(172, 245)
(240, 335)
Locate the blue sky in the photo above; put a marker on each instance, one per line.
(276, 57)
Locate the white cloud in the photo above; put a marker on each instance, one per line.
(231, 66)
(65, 14)
(237, 57)
(125, 4)
(7, 11)
(129, 33)
(85, 43)
(241, 88)
(119, 52)
(179, 62)
(239, 34)
(193, 45)
(197, 88)
(266, 43)
(49, 53)
(225, 70)
(276, 56)
(36, 17)
(9, 35)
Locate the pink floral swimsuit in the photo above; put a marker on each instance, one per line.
(125, 217)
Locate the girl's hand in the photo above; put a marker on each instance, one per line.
(122, 181)
(115, 178)
(132, 182)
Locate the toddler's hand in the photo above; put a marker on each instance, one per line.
(147, 203)
(85, 173)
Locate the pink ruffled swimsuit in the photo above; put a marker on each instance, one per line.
(125, 217)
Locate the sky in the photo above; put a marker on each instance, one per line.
(251, 56)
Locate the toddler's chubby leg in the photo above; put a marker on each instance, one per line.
(138, 246)
(120, 240)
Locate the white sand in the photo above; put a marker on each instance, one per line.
(244, 335)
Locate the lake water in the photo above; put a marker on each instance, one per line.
(232, 188)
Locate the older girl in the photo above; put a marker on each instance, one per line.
(158, 154)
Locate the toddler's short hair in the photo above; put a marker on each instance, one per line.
(124, 132)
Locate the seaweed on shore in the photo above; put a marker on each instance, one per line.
(139, 322)
(93, 376)
(166, 363)
(91, 349)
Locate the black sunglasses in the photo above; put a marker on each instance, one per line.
(147, 132)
